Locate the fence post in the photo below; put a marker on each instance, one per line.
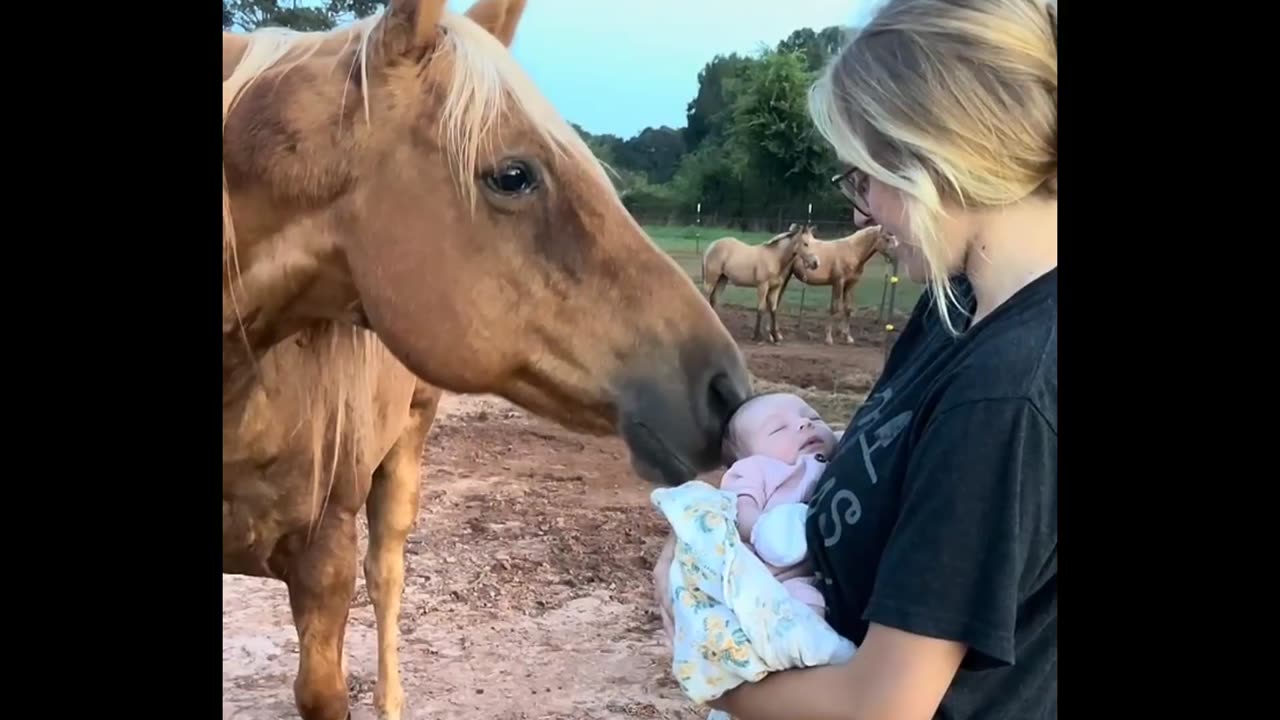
(889, 327)
(893, 289)
(808, 220)
(697, 245)
(884, 293)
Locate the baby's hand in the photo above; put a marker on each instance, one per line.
(779, 537)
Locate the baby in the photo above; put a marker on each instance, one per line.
(779, 447)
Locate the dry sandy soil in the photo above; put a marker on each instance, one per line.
(527, 590)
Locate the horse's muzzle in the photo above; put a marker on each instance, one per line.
(674, 430)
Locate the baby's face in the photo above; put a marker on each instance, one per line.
(780, 426)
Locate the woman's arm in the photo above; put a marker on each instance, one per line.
(895, 675)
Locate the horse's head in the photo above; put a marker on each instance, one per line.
(794, 246)
(803, 240)
(474, 229)
(882, 242)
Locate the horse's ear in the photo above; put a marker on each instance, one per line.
(499, 17)
(410, 27)
(793, 229)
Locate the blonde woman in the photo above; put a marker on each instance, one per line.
(934, 529)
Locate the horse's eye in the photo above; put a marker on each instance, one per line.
(512, 177)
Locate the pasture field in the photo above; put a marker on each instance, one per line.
(527, 585)
(686, 244)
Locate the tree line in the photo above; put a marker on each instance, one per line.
(748, 151)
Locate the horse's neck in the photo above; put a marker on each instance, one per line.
(786, 250)
(863, 248)
(278, 285)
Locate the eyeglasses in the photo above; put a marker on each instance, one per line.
(853, 183)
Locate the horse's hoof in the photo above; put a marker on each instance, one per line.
(848, 340)
(828, 341)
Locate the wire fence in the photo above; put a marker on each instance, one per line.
(773, 219)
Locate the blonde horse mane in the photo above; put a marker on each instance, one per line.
(860, 235)
(485, 83)
(781, 236)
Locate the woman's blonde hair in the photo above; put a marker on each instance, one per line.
(948, 101)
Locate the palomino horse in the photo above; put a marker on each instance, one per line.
(763, 267)
(367, 172)
(840, 265)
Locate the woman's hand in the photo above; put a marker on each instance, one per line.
(662, 586)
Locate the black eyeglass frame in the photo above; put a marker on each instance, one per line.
(853, 183)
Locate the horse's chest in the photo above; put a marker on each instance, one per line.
(263, 505)
(275, 485)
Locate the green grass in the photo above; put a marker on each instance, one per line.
(686, 244)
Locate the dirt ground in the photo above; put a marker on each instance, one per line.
(527, 592)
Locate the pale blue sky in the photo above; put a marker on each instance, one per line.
(617, 66)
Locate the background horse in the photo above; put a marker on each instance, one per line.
(366, 171)
(763, 267)
(841, 263)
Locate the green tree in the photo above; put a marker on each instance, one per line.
(771, 123)
(816, 47)
(707, 115)
(249, 15)
(656, 152)
(718, 176)
(626, 180)
(604, 146)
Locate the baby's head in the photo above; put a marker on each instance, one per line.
(778, 425)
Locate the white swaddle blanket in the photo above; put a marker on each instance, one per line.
(734, 622)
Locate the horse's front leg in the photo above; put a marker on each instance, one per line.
(775, 296)
(392, 510)
(321, 577)
(715, 285)
(762, 305)
(837, 288)
(847, 309)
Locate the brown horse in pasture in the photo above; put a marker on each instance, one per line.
(841, 263)
(763, 267)
(367, 172)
